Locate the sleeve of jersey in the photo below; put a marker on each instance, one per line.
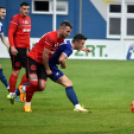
(49, 42)
(12, 28)
(67, 52)
(1, 29)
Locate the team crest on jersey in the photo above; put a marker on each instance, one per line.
(25, 22)
(17, 64)
(33, 67)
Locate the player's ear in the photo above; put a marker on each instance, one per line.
(61, 28)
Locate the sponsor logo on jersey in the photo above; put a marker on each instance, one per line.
(26, 30)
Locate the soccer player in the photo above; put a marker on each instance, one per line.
(3, 39)
(19, 38)
(38, 60)
(59, 57)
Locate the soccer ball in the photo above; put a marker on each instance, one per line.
(132, 106)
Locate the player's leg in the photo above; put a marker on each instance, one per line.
(29, 89)
(24, 79)
(36, 72)
(60, 78)
(23, 52)
(3, 78)
(12, 83)
(16, 66)
(64, 81)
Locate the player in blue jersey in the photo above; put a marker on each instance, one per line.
(3, 39)
(59, 57)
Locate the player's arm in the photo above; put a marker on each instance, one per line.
(85, 49)
(3, 39)
(46, 61)
(12, 28)
(62, 60)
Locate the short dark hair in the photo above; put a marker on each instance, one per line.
(24, 3)
(79, 37)
(66, 23)
(2, 7)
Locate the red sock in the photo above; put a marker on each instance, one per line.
(30, 89)
(24, 79)
(12, 82)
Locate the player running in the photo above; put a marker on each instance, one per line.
(3, 39)
(59, 57)
(19, 38)
(38, 60)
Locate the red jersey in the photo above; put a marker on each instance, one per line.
(19, 31)
(49, 41)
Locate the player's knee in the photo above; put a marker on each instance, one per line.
(42, 86)
(16, 73)
(68, 84)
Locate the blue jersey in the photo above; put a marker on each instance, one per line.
(66, 48)
(1, 28)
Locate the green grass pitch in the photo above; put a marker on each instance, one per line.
(105, 87)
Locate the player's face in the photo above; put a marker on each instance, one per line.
(80, 44)
(2, 13)
(24, 10)
(66, 31)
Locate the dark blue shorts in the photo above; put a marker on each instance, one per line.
(56, 73)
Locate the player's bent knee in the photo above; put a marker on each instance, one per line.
(42, 86)
(68, 84)
(16, 73)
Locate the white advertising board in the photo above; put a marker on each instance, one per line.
(100, 49)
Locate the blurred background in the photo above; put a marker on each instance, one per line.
(108, 24)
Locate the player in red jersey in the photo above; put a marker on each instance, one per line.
(38, 61)
(19, 38)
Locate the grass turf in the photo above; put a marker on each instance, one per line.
(105, 87)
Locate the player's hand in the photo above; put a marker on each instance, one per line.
(85, 49)
(49, 72)
(63, 67)
(14, 51)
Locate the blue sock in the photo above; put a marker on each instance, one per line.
(72, 95)
(3, 78)
(17, 90)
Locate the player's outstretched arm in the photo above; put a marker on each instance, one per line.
(62, 60)
(3, 39)
(85, 49)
